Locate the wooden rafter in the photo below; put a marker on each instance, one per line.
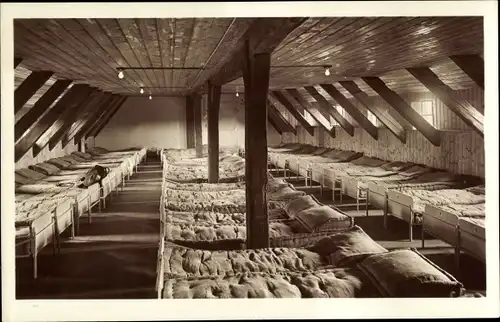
(41, 105)
(98, 98)
(102, 119)
(68, 101)
(386, 119)
(352, 110)
(330, 110)
(289, 106)
(95, 116)
(29, 87)
(461, 107)
(279, 118)
(472, 65)
(17, 61)
(404, 109)
(317, 116)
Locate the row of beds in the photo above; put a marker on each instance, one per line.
(49, 199)
(315, 250)
(448, 206)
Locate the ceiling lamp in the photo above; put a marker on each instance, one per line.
(150, 97)
(121, 74)
(142, 90)
(327, 71)
(237, 94)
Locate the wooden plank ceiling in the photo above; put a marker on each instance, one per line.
(90, 51)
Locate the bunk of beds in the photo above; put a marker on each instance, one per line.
(50, 199)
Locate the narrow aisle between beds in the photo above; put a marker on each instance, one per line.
(114, 257)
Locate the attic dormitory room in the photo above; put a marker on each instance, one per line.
(286, 157)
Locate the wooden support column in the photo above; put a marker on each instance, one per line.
(328, 108)
(470, 115)
(384, 118)
(94, 128)
(62, 123)
(190, 135)
(352, 110)
(472, 65)
(213, 132)
(29, 87)
(198, 139)
(404, 109)
(289, 106)
(313, 111)
(68, 101)
(95, 100)
(41, 105)
(256, 74)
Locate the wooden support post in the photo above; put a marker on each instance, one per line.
(190, 135)
(404, 109)
(41, 105)
(213, 132)
(198, 140)
(351, 110)
(472, 65)
(289, 106)
(29, 87)
(384, 118)
(256, 75)
(328, 108)
(68, 101)
(317, 116)
(470, 115)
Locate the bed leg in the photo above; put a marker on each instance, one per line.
(366, 204)
(457, 259)
(35, 265)
(75, 214)
(385, 214)
(422, 234)
(411, 232)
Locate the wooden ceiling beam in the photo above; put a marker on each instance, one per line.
(17, 61)
(386, 119)
(404, 109)
(41, 105)
(279, 118)
(96, 99)
(263, 36)
(94, 113)
(29, 87)
(103, 119)
(330, 110)
(352, 110)
(289, 106)
(470, 115)
(320, 119)
(472, 65)
(67, 102)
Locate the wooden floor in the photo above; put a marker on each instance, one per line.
(115, 257)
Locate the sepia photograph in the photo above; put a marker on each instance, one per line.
(176, 153)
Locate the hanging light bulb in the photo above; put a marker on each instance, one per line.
(121, 74)
(237, 94)
(327, 71)
(150, 97)
(142, 90)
